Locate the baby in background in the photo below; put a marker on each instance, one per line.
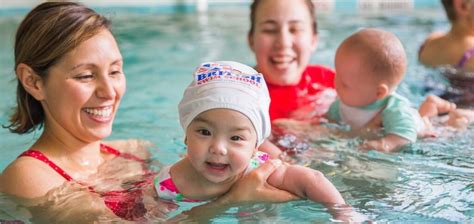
(225, 115)
(370, 64)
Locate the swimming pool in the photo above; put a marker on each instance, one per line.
(430, 181)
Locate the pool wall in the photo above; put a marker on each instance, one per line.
(202, 5)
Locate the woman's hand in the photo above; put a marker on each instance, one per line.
(253, 187)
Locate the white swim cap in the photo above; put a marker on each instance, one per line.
(230, 85)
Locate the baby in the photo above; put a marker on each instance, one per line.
(224, 113)
(370, 64)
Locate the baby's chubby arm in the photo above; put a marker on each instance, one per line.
(388, 143)
(305, 183)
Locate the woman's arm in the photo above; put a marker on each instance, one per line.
(253, 187)
(29, 178)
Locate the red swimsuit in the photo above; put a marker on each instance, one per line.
(126, 204)
(285, 99)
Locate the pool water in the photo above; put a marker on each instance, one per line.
(429, 181)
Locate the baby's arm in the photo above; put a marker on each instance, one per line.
(389, 143)
(305, 183)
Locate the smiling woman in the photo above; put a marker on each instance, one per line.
(70, 84)
(73, 95)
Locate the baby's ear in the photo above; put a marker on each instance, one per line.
(382, 91)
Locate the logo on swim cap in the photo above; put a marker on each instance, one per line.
(211, 72)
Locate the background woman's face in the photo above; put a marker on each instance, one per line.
(283, 40)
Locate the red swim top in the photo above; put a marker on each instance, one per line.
(126, 204)
(285, 99)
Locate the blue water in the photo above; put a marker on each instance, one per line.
(430, 181)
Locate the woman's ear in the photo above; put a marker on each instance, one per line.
(314, 42)
(250, 41)
(382, 91)
(462, 7)
(185, 140)
(32, 82)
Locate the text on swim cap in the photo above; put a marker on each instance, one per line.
(205, 75)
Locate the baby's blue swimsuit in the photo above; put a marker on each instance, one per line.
(398, 117)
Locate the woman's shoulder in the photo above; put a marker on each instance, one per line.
(437, 49)
(27, 177)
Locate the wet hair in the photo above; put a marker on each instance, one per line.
(256, 3)
(449, 8)
(46, 34)
(381, 53)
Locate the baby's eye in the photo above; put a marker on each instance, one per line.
(204, 132)
(236, 138)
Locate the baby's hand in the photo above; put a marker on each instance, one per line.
(378, 145)
(389, 143)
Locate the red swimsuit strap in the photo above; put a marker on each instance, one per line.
(124, 203)
(108, 149)
(104, 148)
(40, 156)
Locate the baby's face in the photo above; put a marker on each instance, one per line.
(221, 143)
(354, 85)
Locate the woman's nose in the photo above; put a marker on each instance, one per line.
(105, 88)
(284, 38)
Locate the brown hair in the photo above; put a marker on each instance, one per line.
(449, 8)
(45, 35)
(253, 12)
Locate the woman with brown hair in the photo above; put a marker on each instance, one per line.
(70, 83)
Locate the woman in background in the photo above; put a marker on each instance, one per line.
(70, 84)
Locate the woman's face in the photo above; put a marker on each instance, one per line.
(283, 40)
(82, 92)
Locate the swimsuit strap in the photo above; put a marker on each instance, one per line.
(108, 149)
(126, 204)
(466, 56)
(104, 148)
(40, 156)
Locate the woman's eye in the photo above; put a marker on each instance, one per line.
(204, 132)
(269, 31)
(296, 30)
(117, 72)
(84, 76)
